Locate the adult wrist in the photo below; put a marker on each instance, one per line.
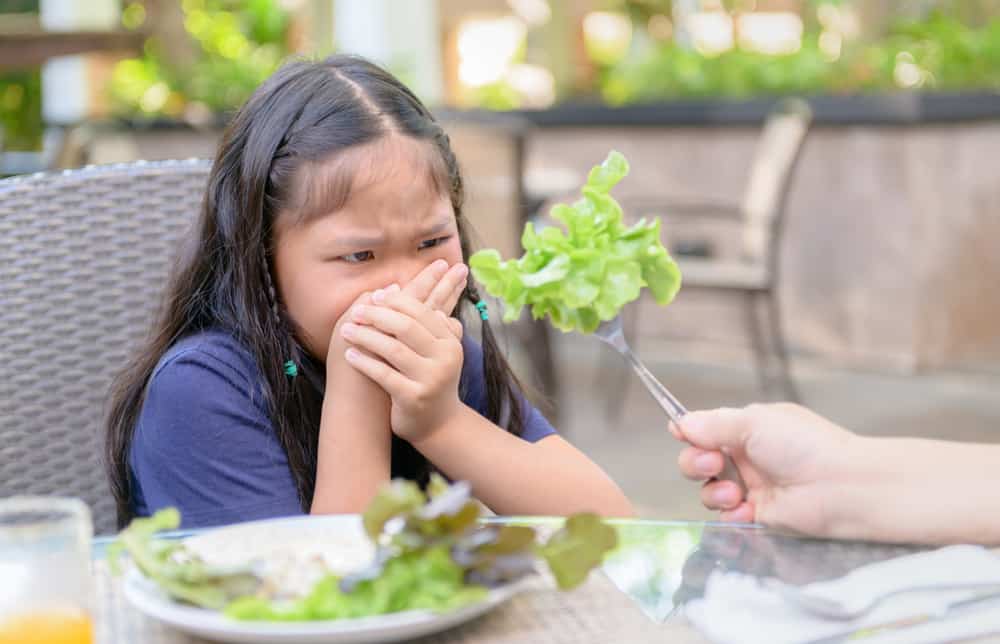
(861, 477)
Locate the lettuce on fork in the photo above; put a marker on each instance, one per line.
(584, 275)
(432, 553)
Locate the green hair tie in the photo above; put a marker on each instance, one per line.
(483, 313)
(291, 369)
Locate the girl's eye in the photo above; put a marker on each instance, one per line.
(358, 258)
(431, 243)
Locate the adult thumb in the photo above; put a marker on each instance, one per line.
(715, 429)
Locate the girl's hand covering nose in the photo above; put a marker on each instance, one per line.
(414, 353)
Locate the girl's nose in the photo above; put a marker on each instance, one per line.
(405, 271)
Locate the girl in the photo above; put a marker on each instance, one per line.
(308, 351)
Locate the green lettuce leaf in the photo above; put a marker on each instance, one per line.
(421, 580)
(397, 498)
(583, 275)
(577, 548)
(179, 573)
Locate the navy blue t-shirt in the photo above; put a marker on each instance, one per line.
(204, 440)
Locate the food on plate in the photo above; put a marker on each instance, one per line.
(431, 552)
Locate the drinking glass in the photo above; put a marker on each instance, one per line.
(46, 588)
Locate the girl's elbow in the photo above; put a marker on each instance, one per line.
(616, 506)
(621, 510)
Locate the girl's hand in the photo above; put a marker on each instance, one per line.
(414, 353)
(336, 367)
(440, 287)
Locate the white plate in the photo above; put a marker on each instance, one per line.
(341, 541)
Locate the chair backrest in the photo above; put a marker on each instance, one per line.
(84, 256)
(771, 173)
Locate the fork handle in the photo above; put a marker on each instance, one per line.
(675, 411)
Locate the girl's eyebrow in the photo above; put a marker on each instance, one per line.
(441, 226)
(356, 241)
(360, 240)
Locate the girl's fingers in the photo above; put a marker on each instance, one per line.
(421, 286)
(394, 383)
(407, 305)
(401, 326)
(448, 290)
(455, 326)
(721, 495)
(385, 347)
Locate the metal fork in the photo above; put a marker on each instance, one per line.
(829, 608)
(611, 334)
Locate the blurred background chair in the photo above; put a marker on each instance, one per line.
(84, 256)
(754, 276)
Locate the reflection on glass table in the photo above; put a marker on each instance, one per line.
(663, 565)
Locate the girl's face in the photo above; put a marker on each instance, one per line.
(394, 222)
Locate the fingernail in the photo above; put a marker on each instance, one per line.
(352, 354)
(378, 296)
(348, 330)
(463, 270)
(359, 313)
(392, 288)
(440, 265)
(705, 464)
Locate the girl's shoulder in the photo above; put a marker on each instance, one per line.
(209, 354)
(214, 343)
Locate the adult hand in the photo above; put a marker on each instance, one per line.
(793, 462)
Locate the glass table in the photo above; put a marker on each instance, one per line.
(657, 568)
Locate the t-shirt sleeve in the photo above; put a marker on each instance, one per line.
(205, 444)
(473, 393)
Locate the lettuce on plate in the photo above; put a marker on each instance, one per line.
(583, 275)
(173, 568)
(432, 553)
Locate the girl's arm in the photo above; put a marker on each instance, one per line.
(416, 355)
(513, 476)
(355, 438)
(355, 441)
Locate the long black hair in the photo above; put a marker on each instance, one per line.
(303, 116)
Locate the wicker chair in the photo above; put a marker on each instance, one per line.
(83, 259)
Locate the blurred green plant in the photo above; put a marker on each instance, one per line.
(237, 44)
(499, 95)
(20, 95)
(21, 111)
(937, 52)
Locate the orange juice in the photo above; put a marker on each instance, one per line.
(47, 627)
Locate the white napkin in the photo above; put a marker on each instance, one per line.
(737, 608)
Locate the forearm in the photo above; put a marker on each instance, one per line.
(353, 457)
(922, 491)
(513, 476)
